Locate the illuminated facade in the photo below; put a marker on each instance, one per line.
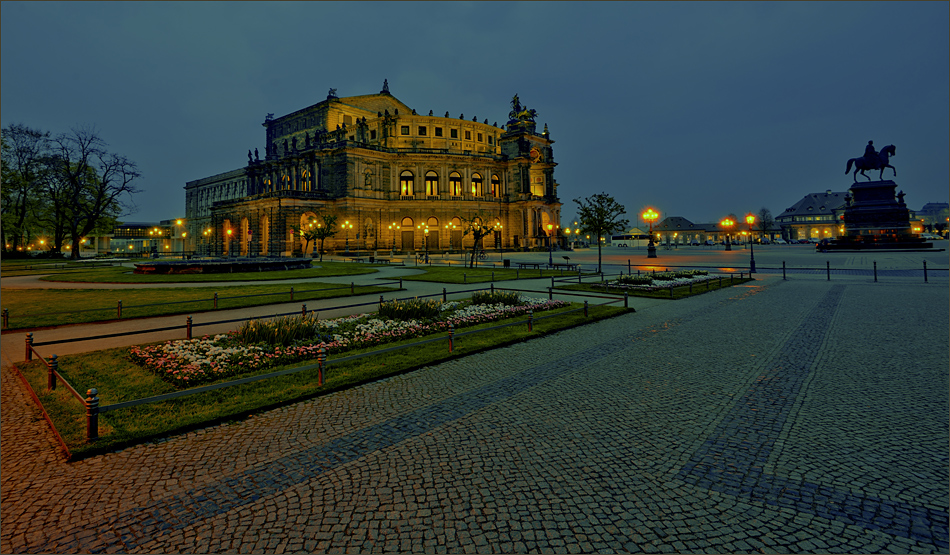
(816, 216)
(390, 172)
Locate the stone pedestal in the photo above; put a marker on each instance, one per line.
(876, 218)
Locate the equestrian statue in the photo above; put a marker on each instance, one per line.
(872, 160)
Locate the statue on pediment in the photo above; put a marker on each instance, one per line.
(872, 160)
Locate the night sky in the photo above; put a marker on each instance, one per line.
(694, 109)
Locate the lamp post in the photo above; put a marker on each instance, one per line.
(750, 219)
(501, 245)
(229, 232)
(727, 223)
(550, 258)
(425, 240)
(650, 216)
(393, 227)
(347, 226)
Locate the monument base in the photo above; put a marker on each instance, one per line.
(221, 266)
(875, 219)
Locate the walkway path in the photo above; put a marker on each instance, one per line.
(780, 416)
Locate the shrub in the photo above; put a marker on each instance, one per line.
(507, 298)
(282, 331)
(412, 309)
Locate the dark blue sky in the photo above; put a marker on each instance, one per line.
(695, 109)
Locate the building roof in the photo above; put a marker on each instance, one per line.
(816, 203)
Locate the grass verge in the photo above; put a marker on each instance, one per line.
(34, 308)
(447, 274)
(680, 292)
(118, 380)
(123, 274)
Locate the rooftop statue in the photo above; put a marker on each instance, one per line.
(519, 112)
(872, 160)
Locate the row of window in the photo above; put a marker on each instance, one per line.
(407, 180)
(453, 133)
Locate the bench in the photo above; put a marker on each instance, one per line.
(565, 265)
(523, 265)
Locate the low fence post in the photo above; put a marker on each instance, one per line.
(451, 333)
(720, 282)
(875, 271)
(585, 309)
(303, 311)
(291, 295)
(51, 370)
(6, 317)
(628, 266)
(626, 300)
(493, 273)
(92, 415)
(530, 317)
(550, 293)
(925, 271)
(352, 288)
(552, 282)
(216, 300)
(783, 271)
(400, 283)
(321, 360)
(464, 278)
(445, 297)
(29, 348)
(381, 302)
(188, 327)
(578, 276)
(118, 310)
(828, 268)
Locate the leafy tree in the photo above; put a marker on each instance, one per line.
(25, 159)
(477, 227)
(318, 230)
(599, 215)
(766, 221)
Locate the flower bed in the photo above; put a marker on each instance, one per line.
(186, 363)
(661, 280)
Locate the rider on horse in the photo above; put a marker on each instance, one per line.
(871, 156)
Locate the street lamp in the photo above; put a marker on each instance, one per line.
(750, 219)
(550, 259)
(393, 227)
(347, 226)
(501, 245)
(650, 216)
(230, 232)
(727, 223)
(425, 243)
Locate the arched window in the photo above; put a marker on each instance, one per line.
(432, 221)
(455, 184)
(405, 183)
(407, 222)
(476, 185)
(432, 183)
(495, 186)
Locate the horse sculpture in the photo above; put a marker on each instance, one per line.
(861, 164)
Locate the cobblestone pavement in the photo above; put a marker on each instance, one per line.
(779, 416)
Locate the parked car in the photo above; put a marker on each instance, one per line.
(779, 242)
(694, 243)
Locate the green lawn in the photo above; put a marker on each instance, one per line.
(123, 274)
(32, 308)
(457, 275)
(119, 380)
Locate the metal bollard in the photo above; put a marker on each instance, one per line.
(119, 310)
(628, 266)
(445, 299)
(29, 348)
(303, 311)
(51, 373)
(92, 415)
(783, 270)
(585, 309)
(925, 271)
(216, 301)
(493, 275)
(875, 271)
(530, 318)
(828, 268)
(321, 360)
(464, 278)
(291, 294)
(400, 283)
(6, 317)
(451, 333)
(188, 327)
(626, 300)
(552, 281)
(493, 289)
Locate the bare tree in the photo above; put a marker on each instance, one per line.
(90, 182)
(766, 221)
(478, 228)
(600, 215)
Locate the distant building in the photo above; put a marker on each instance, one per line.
(676, 230)
(816, 216)
(402, 180)
(935, 216)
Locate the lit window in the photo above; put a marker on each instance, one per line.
(476, 185)
(405, 183)
(432, 183)
(455, 184)
(405, 129)
(495, 185)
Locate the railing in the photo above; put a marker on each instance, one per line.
(91, 401)
(214, 300)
